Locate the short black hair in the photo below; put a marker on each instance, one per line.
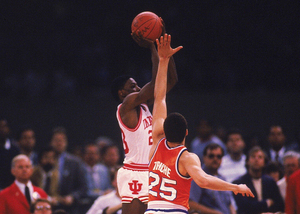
(234, 131)
(117, 84)
(175, 126)
(272, 166)
(59, 130)
(212, 146)
(44, 151)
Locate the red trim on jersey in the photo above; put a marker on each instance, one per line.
(139, 122)
(144, 198)
(136, 167)
(127, 199)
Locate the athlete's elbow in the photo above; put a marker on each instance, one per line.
(203, 182)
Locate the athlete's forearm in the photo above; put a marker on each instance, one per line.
(215, 183)
(172, 74)
(155, 61)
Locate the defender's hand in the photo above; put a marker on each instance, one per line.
(244, 190)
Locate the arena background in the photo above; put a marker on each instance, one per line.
(240, 65)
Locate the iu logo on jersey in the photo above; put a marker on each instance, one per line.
(135, 187)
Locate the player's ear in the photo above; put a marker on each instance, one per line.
(186, 132)
(120, 93)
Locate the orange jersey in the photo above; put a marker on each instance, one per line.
(165, 182)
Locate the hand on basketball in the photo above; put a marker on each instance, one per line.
(164, 47)
(244, 190)
(163, 27)
(140, 40)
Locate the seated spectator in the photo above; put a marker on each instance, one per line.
(17, 198)
(292, 200)
(204, 137)
(210, 201)
(278, 144)
(72, 183)
(291, 163)
(8, 150)
(273, 169)
(98, 175)
(26, 142)
(110, 157)
(267, 196)
(41, 206)
(109, 203)
(233, 163)
(46, 175)
(103, 141)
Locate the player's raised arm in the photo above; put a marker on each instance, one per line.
(146, 93)
(160, 109)
(190, 162)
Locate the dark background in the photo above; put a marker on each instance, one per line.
(239, 66)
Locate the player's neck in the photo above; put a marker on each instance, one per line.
(173, 144)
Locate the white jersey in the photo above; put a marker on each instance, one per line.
(137, 141)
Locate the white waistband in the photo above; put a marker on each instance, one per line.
(164, 205)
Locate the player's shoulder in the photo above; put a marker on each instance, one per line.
(131, 99)
(189, 156)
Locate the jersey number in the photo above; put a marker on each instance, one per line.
(125, 145)
(171, 192)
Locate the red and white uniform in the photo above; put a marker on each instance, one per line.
(133, 177)
(168, 189)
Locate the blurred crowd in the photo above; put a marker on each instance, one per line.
(83, 180)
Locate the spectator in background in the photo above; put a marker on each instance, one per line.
(45, 174)
(41, 206)
(111, 157)
(267, 196)
(77, 151)
(103, 141)
(26, 141)
(204, 137)
(72, 184)
(210, 201)
(221, 132)
(233, 163)
(98, 175)
(291, 163)
(17, 198)
(277, 144)
(292, 200)
(7, 152)
(109, 203)
(273, 169)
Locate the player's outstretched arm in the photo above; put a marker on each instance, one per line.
(191, 164)
(145, 95)
(147, 92)
(160, 108)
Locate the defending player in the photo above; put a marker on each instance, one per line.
(171, 166)
(135, 121)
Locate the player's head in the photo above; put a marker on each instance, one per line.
(122, 86)
(175, 127)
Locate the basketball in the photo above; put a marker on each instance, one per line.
(149, 24)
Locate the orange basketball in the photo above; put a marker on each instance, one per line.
(149, 24)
